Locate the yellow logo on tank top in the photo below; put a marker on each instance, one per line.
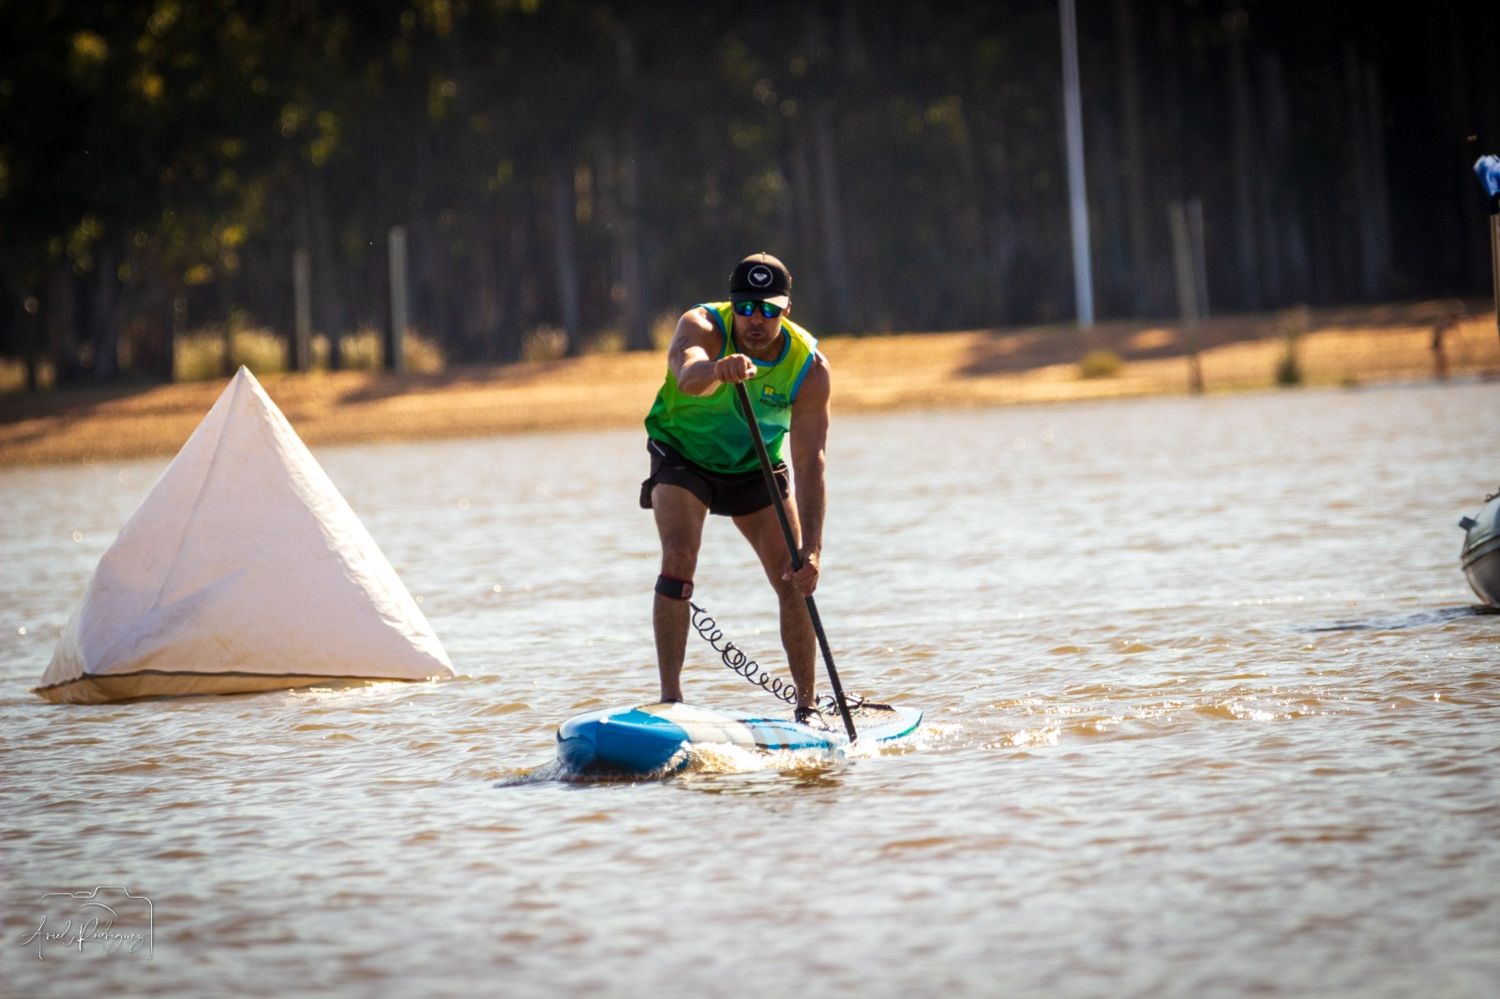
(770, 397)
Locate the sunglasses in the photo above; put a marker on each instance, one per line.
(747, 309)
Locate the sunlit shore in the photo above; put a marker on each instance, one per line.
(1041, 364)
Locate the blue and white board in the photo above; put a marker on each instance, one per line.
(643, 739)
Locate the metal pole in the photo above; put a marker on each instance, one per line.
(1495, 258)
(1078, 207)
(1200, 255)
(395, 338)
(1189, 303)
(1182, 259)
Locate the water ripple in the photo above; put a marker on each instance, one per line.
(1191, 674)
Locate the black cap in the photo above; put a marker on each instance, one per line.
(760, 277)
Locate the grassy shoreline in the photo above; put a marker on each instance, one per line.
(1038, 364)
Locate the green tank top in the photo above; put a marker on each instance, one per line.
(709, 430)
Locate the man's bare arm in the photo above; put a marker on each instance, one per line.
(691, 356)
(810, 415)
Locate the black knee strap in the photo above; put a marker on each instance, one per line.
(673, 588)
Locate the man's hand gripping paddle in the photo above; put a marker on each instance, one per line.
(791, 547)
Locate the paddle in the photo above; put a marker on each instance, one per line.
(791, 547)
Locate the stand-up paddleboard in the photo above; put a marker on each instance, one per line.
(644, 739)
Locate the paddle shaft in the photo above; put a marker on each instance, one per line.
(791, 547)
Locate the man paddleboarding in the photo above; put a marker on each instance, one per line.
(704, 461)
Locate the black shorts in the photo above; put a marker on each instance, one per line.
(726, 495)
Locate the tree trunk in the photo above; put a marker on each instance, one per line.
(1187, 254)
(632, 273)
(20, 315)
(482, 317)
(1265, 183)
(1143, 273)
(1171, 76)
(1002, 242)
(299, 345)
(226, 314)
(565, 253)
(177, 319)
(1367, 168)
(104, 320)
(302, 326)
(31, 343)
(967, 260)
(804, 203)
(328, 304)
(524, 297)
(1245, 162)
(831, 214)
(1380, 192)
(62, 326)
(1289, 279)
(1454, 245)
(155, 344)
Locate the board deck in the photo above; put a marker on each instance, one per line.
(645, 738)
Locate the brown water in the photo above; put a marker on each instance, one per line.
(1208, 714)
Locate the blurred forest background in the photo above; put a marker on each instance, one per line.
(589, 168)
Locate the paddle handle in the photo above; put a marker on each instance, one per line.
(791, 547)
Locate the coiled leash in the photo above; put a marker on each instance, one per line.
(736, 661)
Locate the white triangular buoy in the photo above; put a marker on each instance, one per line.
(243, 569)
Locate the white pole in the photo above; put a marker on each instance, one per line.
(1083, 276)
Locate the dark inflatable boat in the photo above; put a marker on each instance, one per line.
(1481, 554)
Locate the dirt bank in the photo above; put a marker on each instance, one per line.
(980, 368)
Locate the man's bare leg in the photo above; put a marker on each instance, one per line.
(679, 522)
(763, 530)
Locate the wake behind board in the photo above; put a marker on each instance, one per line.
(643, 739)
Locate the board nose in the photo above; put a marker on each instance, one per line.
(578, 751)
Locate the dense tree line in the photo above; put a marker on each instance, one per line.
(589, 165)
